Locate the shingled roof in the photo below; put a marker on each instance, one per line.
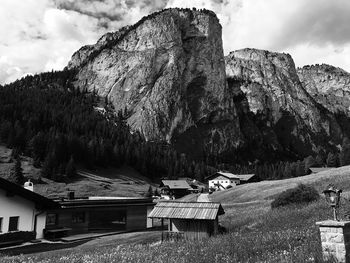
(14, 189)
(176, 184)
(225, 174)
(187, 210)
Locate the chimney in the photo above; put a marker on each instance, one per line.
(71, 195)
(29, 185)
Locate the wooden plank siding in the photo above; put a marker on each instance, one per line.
(194, 229)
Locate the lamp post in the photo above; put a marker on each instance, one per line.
(333, 197)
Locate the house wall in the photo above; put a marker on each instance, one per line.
(223, 181)
(193, 229)
(149, 220)
(24, 209)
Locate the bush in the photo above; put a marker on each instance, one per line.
(22, 236)
(298, 195)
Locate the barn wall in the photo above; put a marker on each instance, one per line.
(193, 229)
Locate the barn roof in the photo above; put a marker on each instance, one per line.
(225, 174)
(187, 210)
(14, 189)
(176, 184)
(320, 169)
(245, 177)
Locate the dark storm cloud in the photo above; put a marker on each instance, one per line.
(318, 23)
(114, 10)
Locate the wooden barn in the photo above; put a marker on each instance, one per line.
(188, 220)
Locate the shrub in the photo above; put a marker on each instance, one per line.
(17, 236)
(298, 195)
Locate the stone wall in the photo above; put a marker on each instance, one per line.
(335, 238)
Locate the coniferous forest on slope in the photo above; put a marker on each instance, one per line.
(45, 117)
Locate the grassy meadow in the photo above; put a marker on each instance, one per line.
(255, 233)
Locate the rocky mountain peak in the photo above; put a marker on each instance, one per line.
(167, 71)
(329, 85)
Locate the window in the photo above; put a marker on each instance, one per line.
(0, 224)
(78, 217)
(51, 219)
(13, 224)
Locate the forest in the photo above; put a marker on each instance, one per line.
(60, 127)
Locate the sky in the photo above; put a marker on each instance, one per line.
(41, 35)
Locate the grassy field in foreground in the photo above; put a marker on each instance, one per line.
(282, 235)
(255, 233)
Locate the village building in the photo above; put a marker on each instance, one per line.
(23, 210)
(188, 220)
(98, 214)
(222, 180)
(175, 188)
(247, 178)
(316, 170)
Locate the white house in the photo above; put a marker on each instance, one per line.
(221, 180)
(22, 209)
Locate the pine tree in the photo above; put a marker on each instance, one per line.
(332, 160)
(344, 156)
(16, 174)
(70, 170)
(149, 192)
(309, 162)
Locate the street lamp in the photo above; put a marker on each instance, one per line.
(333, 197)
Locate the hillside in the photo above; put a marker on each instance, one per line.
(124, 181)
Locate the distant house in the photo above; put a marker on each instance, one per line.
(221, 180)
(98, 214)
(22, 209)
(189, 220)
(315, 170)
(176, 188)
(247, 178)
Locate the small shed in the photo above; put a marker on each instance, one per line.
(176, 188)
(189, 220)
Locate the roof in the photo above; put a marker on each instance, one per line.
(176, 184)
(245, 177)
(187, 210)
(320, 169)
(18, 190)
(105, 202)
(225, 174)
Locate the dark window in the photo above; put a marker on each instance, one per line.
(78, 217)
(0, 224)
(13, 224)
(51, 219)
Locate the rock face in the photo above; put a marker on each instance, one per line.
(271, 90)
(330, 86)
(168, 72)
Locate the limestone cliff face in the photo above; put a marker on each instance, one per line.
(273, 92)
(168, 71)
(330, 86)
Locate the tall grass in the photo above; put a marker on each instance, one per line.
(279, 235)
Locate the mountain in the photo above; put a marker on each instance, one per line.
(167, 72)
(169, 76)
(328, 85)
(270, 91)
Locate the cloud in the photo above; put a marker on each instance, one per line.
(40, 35)
(312, 31)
